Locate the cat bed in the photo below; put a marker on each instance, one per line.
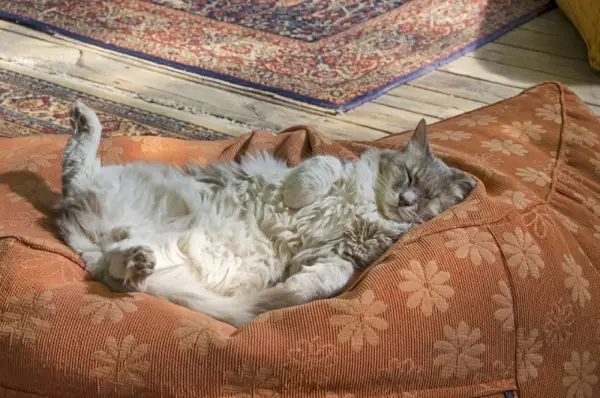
(498, 294)
(585, 14)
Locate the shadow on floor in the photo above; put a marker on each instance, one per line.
(548, 47)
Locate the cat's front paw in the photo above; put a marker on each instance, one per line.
(463, 186)
(395, 229)
(311, 181)
(139, 264)
(120, 233)
(297, 195)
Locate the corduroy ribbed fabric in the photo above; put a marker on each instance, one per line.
(500, 293)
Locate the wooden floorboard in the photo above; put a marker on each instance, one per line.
(513, 76)
(551, 26)
(555, 15)
(546, 48)
(564, 46)
(467, 87)
(575, 69)
(427, 102)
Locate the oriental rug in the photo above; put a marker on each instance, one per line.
(330, 53)
(29, 106)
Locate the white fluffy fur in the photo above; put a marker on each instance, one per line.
(225, 252)
(226, 246)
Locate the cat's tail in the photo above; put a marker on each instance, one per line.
(230, 309)
(235, 310)
(79, 156)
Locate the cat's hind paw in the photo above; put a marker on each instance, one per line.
(139, 264)
(84, 120)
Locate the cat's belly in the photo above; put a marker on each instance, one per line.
(151, 198)
(232, 258)
(317, 230)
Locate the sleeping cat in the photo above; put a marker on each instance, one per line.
(234, 240)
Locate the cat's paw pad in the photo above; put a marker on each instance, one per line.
(83, 119)
(120, 233)
(463, 185)
(140, 264)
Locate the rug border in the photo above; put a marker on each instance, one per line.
(344, 107)
(175, 128)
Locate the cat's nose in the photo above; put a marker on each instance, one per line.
(403, 202)
(407, 198)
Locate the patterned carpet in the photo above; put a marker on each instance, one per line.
(332, 53)
(29, 106)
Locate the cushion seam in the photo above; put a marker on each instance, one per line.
(466, 386)
(477, 110)
(561, 145)
(475, 223)
(482, 222)
(22, 391)
(461, 387)
(41, 247)
(511, 285)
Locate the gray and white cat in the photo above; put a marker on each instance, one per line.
(234, 240)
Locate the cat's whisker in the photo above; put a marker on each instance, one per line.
(379, 185)
(417, 217)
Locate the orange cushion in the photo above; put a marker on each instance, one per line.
(500, 293)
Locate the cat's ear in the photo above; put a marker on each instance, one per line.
(418, 143)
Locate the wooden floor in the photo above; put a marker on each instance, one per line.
(547, 48)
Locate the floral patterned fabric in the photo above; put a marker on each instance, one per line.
(335, 54)
(498, 294)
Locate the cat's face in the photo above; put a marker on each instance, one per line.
(414, 186)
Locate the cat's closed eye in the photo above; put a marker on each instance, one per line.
(409, 180)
